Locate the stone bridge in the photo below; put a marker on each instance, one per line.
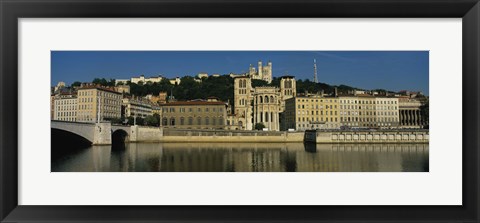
(96, 133)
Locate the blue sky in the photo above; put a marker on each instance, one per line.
(392, 70)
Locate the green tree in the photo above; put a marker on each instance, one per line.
(100, 81)
(76, 84)
(151, 121)
(259, 126)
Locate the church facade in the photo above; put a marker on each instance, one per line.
(262, 104)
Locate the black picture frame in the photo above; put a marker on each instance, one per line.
(11, 11)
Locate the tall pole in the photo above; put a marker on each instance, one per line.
(315, 71)
(98, 110)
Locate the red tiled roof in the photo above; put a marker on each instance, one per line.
(99, 88)
(176, 103)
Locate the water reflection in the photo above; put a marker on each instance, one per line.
(248, 157)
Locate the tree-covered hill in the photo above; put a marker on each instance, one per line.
(220, 87)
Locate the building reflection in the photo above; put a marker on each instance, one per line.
(249, 157)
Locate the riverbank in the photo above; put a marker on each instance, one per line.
(150, 134)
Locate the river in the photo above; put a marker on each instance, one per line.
(247, 157)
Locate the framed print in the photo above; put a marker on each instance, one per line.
(239, 111)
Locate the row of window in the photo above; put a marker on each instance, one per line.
(66, 101)
(191, 121)
(182, 110)
(317, 107)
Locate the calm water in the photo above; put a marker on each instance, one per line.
(248, 157)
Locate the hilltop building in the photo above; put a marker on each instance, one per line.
(261, 72)
(139, 79)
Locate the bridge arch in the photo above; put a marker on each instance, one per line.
(119, 138)
(65, 142)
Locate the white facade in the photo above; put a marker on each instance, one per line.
(139, 79)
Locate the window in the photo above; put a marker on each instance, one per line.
(190, 121)
(164, 121)
(182, 121)
(207, 121)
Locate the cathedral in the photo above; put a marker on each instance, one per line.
(263, 104)
(262, 72)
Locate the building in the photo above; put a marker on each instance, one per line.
(175, 81)
(136, 107)
(65, 107)
(202, 75)
(60, 85)
(52, 106)
(368, 111)
(139, 79)
(197, 114)
(124, 89)
(358, 111)
(250, 109)
(160, 99)
(266, 107)
(243, 102)
(410, 113)
(387, 112)
(261, 72)
(98, 104)
(311, 112)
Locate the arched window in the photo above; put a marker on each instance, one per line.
(214, 121)
(172, 121)
(266, 99)
(190, 120)
(199, 121)
(182, 121)
(207, 121)
(220, 121)
(271, 99)
(260, 99)
(164, 122)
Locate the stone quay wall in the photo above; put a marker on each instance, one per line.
(148, 134)
(155, 134)
(384, 136)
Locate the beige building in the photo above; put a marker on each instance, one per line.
(410, 113)
(136, 107)
(243, 102)
(367, 111)
(357, 111)
(124, 89)
(387, 112)
(250, 108)
(266, 107)
(312, 112)
(98, 104)
(160, 99)
(262, 72)
(65, 107)
(194, 115)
